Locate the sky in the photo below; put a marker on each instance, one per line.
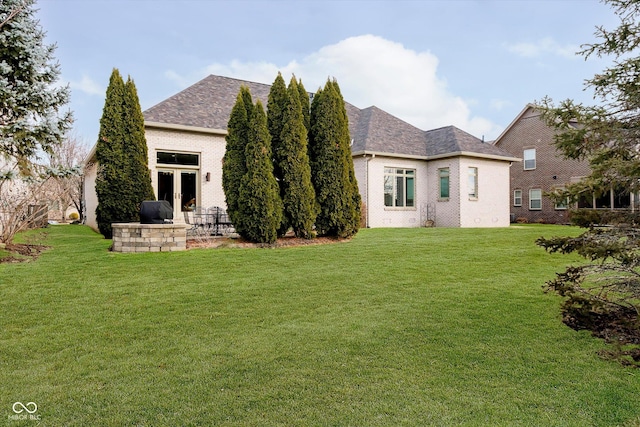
(432, 63)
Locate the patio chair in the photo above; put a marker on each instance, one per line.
(193, 228)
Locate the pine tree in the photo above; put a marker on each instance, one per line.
(111, 180)
(259, 196)
(332, 165)
(30, 100)
(234, 163)
(603, 294)
(297, 192)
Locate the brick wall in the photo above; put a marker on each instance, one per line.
(552, 170)
(210, 146)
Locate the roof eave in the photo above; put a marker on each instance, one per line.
(476, 155)
(437, 156)
(185, 128)
(383, 154)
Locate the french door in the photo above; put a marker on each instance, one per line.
(179, 187)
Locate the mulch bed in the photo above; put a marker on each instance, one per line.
(283, 242)
(21, 252)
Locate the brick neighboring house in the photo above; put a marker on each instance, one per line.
(406, 176)
(543, 170)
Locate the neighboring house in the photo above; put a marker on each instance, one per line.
(544, 170)
(407, 177)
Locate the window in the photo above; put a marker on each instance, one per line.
(535, 199)
(517, 197)
(399, 187)
(444, 182)
(186, 159)
(473, 183)
(529, 159)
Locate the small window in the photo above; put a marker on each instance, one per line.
(517, 197)
(399, 187)
(529, 159)
(535, 199)
(444, 183)
(473, 183)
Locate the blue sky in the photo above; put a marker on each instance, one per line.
(472, 64)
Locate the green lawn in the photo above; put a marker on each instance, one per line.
(442, 327)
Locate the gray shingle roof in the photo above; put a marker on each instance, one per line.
(450, 139)
(208, 104)
(205, 104)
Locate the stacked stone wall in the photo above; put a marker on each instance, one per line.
(136, 237)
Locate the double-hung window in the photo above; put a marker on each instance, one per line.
(529, 156)
(399, 187)
(473, 183)
(444, 183)
(535, 199)
(517, 197)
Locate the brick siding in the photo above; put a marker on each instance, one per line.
(552, 170)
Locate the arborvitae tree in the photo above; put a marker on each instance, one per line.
(234, 163)
(136, 151)
(305, 104)
(30, 99)
(259, 197)
(276, 107)
(332, 165)
(111, 180)
(354, 214)
(123, 179)
(291, 155)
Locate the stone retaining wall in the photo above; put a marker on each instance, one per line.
(136, 237)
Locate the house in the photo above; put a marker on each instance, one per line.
(544, 170)
(407, 177)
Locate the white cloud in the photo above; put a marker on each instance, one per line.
(372, 71)
(542, 47)
(87, 86)
(499, 104)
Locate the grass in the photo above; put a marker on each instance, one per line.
(442, 327)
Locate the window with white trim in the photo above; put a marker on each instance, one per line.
(529, 156)
(399, 187)
(535, 199)
(443, 175)
(473, 183)
(517, 197)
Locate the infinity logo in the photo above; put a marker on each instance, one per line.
(30, 407)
